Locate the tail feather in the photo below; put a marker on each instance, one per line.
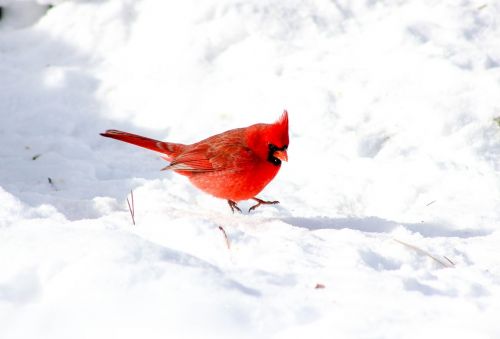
(168, 148)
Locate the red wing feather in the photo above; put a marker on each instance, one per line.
(192, 160)
(220, 152)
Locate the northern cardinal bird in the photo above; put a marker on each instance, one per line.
(234, 165)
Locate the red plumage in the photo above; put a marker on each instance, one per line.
(234, 165)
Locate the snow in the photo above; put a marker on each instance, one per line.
(388, 225)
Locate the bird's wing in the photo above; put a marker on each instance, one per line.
(220, 152)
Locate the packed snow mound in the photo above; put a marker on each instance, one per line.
(388, 224)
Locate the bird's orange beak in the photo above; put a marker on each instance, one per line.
(282, 155)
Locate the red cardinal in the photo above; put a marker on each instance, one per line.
(234, 165)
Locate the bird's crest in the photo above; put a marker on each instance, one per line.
(280, 128)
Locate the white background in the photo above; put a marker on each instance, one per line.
(393, 172)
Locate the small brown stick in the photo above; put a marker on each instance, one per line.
(131, 208)
(421, 251)
(451, 262)
(51, 182)
(319, 286)
(228, 244)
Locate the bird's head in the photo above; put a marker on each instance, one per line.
(270, 141)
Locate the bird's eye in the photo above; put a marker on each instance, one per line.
(270, 156)
(285, 147)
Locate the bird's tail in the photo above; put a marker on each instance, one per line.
(171, 150)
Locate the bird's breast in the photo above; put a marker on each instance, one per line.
(236, 184)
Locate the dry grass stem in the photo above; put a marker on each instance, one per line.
(447, 263)
(228, 244)
(131, 207)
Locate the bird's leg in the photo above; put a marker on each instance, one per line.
(233, 206)
(261, 202)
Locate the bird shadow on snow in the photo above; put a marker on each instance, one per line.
(379, 225)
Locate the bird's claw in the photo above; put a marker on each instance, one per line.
(262, 202)
(233, 206)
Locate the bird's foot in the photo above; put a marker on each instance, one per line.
(262, 202)
(233, 206)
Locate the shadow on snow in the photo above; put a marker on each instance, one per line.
(379, 225)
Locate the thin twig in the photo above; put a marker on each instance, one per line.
(228, 244)
(451, 262)
(421, 251)
(51, 182)
(131, 208)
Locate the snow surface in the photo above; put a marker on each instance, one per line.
(389, 221)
